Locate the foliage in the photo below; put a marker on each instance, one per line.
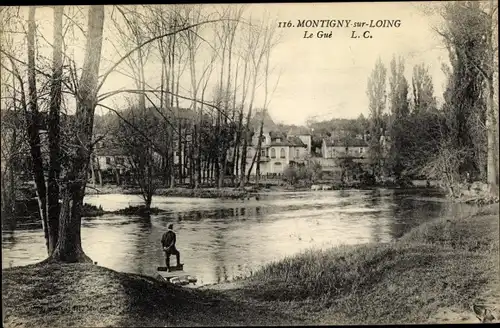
(290, 174)
(465, 108)
(309, 173)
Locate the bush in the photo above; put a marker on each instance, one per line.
(368, 179)
(290, 175)
(303, 173)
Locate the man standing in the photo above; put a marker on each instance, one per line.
(168, 242)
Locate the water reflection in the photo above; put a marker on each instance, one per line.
(222, 239)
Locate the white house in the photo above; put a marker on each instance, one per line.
(277, 152)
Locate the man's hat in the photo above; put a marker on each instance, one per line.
(170, 226)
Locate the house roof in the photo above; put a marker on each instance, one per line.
(296, 141)
(350, 142)
(268, 121)
(275, 134)
(286, 141)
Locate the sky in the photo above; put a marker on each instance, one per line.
(319, 78)
(328, 77)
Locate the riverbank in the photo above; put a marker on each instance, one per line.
(226, 192)
(434, 273)
(232, 192)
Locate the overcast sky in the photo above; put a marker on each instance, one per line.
(328, 77)
(322, 78)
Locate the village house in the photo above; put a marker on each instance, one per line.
(278, 149)
(277, 152)
(109, 163)
(340, 149)
(356, 148)
(303, 134)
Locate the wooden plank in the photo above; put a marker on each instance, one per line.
(172, 268)
(179, 276)
(173, 274)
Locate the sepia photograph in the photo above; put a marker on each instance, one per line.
(250, 164)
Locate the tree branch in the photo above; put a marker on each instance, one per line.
(110, 70)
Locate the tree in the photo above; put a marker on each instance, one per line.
(423, 89)
(54, 131)
(466, 34)
(257, 43)
(32, 121)
(75, 133)
(68, 248)
(270, 41)
(132, 37)
(376, 92)
(398, 99)
(135, 137)
(12, 121)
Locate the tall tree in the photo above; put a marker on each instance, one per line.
(466, 34)
(69, 248)
(423, 89)
(256, 46)
(33, 126)
(54, 131)
(135, 134)
(376, 92)
(399, 107)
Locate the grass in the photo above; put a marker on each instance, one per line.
(442, 264)
(85, 295)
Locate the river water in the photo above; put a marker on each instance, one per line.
(223, 239)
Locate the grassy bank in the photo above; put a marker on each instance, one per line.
(434, 273)
(85, 295)
(443, 265)
(226, 192)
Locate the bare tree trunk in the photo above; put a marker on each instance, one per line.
(180, 155)
(32, 121)
(99, 173)
(69, 247)
(171, 159)
(117, 174)
(491, 136)
(492, 112)
(92, 171)
(244, 154)
(259, 147)
(54, 132)
(236, 151)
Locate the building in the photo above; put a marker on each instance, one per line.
(277, 152)
(343, 151)
(303, 134)
(279, 149)
(108, 157)
(345, 147)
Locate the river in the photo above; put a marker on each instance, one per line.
(223, 239)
